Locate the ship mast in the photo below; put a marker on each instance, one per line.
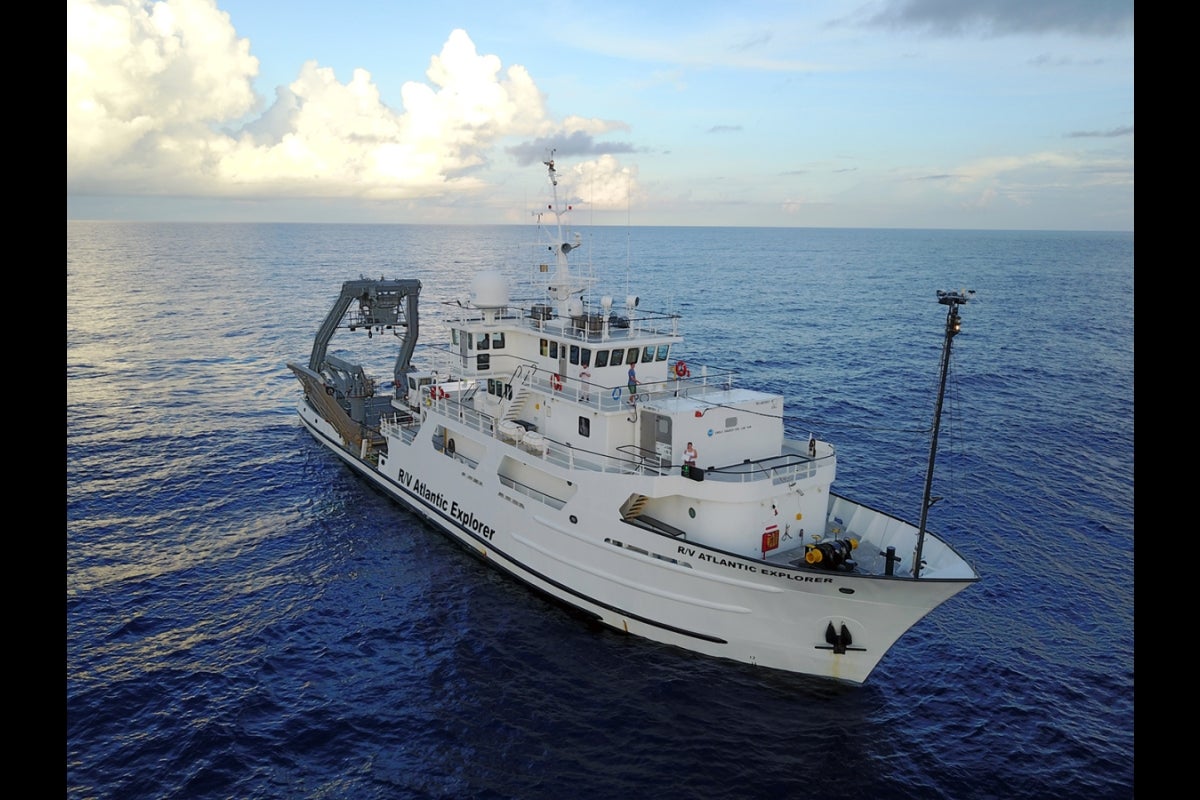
(953, 326)
(563, 285)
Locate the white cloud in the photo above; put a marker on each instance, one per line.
(602, 184)
(157, 94)
(162, 103)
(145, 83)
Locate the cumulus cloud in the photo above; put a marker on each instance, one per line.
(602, 184)
(160, 95)
(145, 83)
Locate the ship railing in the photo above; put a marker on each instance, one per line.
(404, 426)
(700, 381)
(457, 312)
(572, 458)
(615, 398)
(529, 491)
(782, 469)
(560, 453)
(443, 361)
(596, 325)
(592, 324)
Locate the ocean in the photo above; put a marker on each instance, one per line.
(246, 618)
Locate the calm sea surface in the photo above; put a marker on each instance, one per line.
(247, 619)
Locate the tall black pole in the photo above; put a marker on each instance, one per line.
(953, 325)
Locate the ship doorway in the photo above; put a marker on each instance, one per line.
(655, 436)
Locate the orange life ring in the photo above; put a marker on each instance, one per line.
(556, 382)
(681, 369)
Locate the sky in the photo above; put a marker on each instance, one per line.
(945, 114)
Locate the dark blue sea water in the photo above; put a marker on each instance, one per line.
(247, 619)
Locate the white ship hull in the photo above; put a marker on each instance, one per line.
(558, 441)
(655, 585)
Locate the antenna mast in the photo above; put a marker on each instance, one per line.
(953, 326)
(563, 285)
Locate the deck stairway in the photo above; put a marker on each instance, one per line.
(633, 513)
(521, 379)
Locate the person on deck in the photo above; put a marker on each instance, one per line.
(633, 384)
(584, 393)
(690, 455)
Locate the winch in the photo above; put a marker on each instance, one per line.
(832, 555)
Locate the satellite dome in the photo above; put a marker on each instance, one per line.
(491, 289)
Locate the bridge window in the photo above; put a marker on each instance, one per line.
(663, 351)
(601, 358)
(617, 357)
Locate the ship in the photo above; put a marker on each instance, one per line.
(563, 439)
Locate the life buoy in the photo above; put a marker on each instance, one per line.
(441, 393)
(556, 382)
(681, 369)
(450, 446)
(617, 393)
